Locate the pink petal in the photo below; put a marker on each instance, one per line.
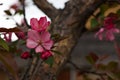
(100, 33)
(100, 36)
(116, 30)
(45, 36)
(47, 45)
(33, 35)
(42, 21)
(110, 36)
(46, 25)
(34, 24)
(31, 43)
(39, 49)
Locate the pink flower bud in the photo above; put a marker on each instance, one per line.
(45, 55)
(8, 36)
(14, 6)
(20, 35)
(25, 55)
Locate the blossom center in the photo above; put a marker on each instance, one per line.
(39, 42)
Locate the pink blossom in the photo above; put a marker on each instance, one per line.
(39, 25)
(8, 36)
(108, 30)
(45, 55)
(40, 41)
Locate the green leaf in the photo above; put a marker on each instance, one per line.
(101, 66)
(103, 8)
(94, 23)
(20, 12)
(4, 44)
(112, 65)
(92, 58)
(8, 12)
(109, 78)
(117, 75)
(118, 12)
(57, 52)
(50, 61)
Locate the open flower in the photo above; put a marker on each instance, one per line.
(40, 41)
(45, 55)
(108, 30)
(39, 25)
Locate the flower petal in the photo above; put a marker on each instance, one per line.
(39, 49)
(43, 23)
(33, 35)
(34, 24)
(109, 36)
(45, 36)
(31, 43)
(116, 30)
(100, 33)
(47, 45)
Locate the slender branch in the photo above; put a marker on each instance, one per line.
(47, 8)
(36, 69)
(87, 71)
(24, 14)
(30, 70)
(24, 75)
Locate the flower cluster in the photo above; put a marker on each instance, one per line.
(109, 28)
(39, 38)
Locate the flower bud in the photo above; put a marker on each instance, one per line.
(45, 55)
(25, 55)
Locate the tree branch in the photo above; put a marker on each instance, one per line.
(24, 14)
(47, 8)
(84, 71)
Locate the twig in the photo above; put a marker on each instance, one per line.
(24, 14)
(31, 67)
(36, 69)
(89, 72)
(24, 76)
